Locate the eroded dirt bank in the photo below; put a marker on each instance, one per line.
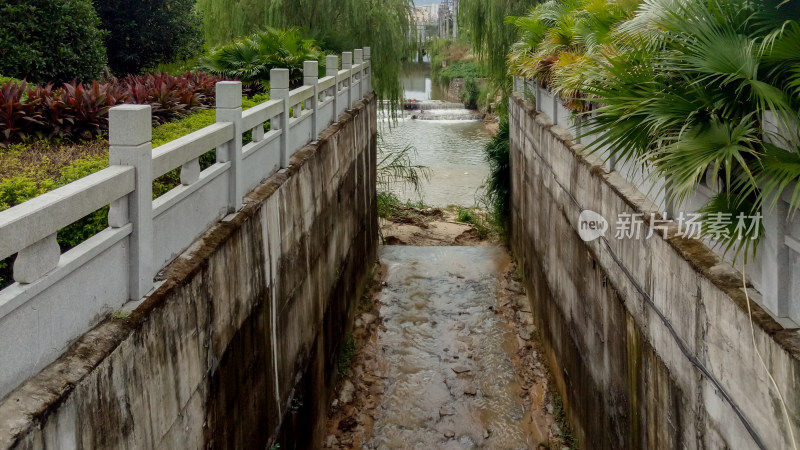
(445, 352)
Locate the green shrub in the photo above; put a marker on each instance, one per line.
(498, 183)
(460, 69)
(387, 204)
(347, 356)
(93, 223)
(145, 33)
(4, 80)
(469, 95)
(51, 40)
(16, 190)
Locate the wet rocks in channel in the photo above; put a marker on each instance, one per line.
(447, 358)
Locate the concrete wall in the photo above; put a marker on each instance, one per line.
(56, 297)
(237, 348)
(649, 339)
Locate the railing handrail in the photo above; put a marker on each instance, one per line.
(119, 263)
(38, 220)
(261, 113)
(175, 153)
(27, 223)
(300, 94)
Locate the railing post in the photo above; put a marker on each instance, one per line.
(332, 70)
(229, 109)
(347, 64)
(358, 60)
(130, 137)
(311, 78)
(279, 90)
(368, 71)
(774, 254)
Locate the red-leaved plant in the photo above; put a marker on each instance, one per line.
(75, 111)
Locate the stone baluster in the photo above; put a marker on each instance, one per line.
(358, 60)
(347, 64)
(229, 109)
(332, 70)
(279, 90)
(35, 261)
(311, 78)
(368, 71)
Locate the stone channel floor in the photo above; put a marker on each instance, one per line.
(447, 359)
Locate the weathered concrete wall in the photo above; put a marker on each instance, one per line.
(612, 313)
(237, 348)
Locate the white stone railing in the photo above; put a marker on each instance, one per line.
(775, 272)
(57, 297)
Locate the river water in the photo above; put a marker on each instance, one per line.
(450, 383)
(446, 141)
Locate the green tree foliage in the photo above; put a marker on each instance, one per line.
(483, 23)
(559, 38)
(143, 33)
(344, 25)
(684, 87)
(50, 40)
(338, 25)
(226, 20)
(251, 59)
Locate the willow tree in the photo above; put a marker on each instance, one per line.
(226, 20)
(483, 22)
(383, 25)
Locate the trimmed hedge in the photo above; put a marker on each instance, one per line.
(51, 40)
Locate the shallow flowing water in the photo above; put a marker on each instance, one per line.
(448, 141)
(449, 377)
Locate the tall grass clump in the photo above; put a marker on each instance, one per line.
(498, 183)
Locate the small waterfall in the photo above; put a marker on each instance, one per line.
(443, 114)
(429, 105)
(437, 110)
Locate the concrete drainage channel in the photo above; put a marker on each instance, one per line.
(445, 355)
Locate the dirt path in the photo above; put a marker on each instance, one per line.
(446, 351)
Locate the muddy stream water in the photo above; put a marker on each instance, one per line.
(450, 380)
(446, 354)
(447, 140)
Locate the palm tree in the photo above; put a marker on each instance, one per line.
(250, 60)
(688, 89)
(559, 38)
(685, 87)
